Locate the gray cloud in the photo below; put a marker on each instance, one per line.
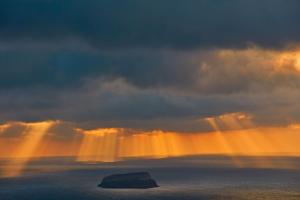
(119, 104)
(145, 89)
(147, 64)
(56, 43)
(153, 24)
(202, 72)
(111, 103)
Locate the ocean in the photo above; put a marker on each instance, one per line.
(190, 178)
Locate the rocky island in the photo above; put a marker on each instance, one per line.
(138, 180)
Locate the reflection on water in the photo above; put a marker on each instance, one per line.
(188, 178)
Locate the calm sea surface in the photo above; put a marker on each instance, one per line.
(179, 179)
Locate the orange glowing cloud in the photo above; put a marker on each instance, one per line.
(275, 61)
(3, 128)
(289, 61)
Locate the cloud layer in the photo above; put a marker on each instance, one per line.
(149, 64)
(153, 24)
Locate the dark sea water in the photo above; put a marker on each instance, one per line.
(191, 178)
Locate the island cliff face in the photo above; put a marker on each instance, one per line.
(139, 180)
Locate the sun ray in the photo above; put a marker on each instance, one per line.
(234, 135)
(33, 135)
(99, 145)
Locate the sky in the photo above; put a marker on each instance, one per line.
(70, 68)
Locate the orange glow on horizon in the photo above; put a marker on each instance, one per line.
(33, 135)
(109, 145)
(99, 145)
(160, 144)
(234, 135)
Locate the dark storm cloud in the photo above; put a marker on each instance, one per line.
(143, 23)
(33, 32)
(145, 64)
(21, 69)
(142, 89)
(114, 104)
(117, 104)
(202, 72)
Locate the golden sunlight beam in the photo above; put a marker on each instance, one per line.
(244, 142)
(99, 145)
(239, 138)
(234, 135)
(32, 136)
